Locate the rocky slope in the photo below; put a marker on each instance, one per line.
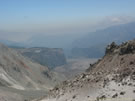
(18, 72)
(112, 78)
(50, 57)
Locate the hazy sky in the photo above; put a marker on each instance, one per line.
(21, 19)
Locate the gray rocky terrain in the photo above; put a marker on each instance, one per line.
(111, 78)
(74, 67)
(21, 78)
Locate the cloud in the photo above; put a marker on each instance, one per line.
(116, 20)
(113, 20)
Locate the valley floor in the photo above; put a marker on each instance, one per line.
(75, 66)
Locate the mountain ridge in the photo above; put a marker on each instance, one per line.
(111, 78)
(94, 43)
(15, 66)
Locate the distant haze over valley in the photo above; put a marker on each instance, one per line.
(89, 45)
(67, 50)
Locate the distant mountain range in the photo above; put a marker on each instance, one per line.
(93, 44)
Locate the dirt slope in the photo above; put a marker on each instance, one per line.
(18, 74)
(110, 79)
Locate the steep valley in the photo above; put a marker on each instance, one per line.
(67, 50)
(110, 78)
(22, 78)
(51, 57)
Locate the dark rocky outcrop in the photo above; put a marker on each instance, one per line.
(110, 48)
(124, 48)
